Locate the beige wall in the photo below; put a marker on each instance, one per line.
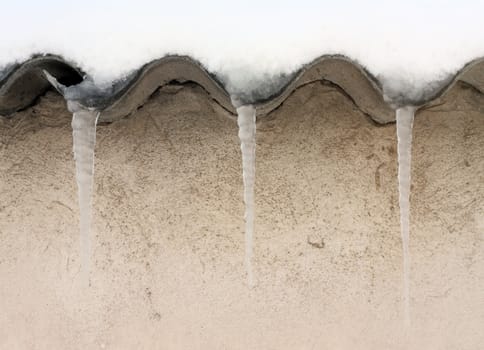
(168, 230)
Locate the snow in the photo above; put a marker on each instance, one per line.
(409, 45)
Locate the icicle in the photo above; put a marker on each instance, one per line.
(246, 121)
(404, 118)
(84, 139)
(84, 122)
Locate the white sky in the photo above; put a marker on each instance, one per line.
(414, 40)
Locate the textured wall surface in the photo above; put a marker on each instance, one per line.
(168, 228)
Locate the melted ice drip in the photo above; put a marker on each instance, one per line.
(404, 133)
(247, 126)
(84, 137)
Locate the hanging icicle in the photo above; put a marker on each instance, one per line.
(405, 118)
(247, 126)
(84, 139)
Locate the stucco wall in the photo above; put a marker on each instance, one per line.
(168, 228)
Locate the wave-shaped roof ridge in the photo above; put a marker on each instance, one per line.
(21, 84)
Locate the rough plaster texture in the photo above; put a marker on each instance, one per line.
(168, 249)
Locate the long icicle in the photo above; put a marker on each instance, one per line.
(84, 139)
(247, 127)
(405, 118)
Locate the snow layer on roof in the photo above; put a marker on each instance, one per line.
(410, 46)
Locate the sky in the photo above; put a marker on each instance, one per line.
(409, 42)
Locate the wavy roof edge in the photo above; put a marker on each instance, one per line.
(22, 83)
